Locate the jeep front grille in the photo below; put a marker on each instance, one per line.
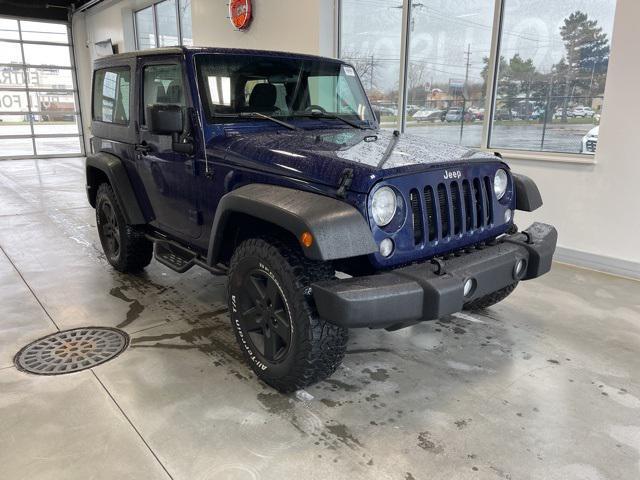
(452, 208)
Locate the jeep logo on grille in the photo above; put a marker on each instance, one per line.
(452, 174)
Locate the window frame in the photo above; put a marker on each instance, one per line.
(154, 16)
(490, 93)
(27, 89)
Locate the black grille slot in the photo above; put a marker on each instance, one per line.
(429, 203)
(444, 210)
(487, 193)
(416, 212)
(457, 208)
(477, 195)
(468, 205)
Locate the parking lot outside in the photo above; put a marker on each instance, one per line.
(558, 137)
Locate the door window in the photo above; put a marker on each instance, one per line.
(162, 84)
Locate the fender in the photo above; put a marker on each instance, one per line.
(528, 196)
(338, 229)
(113, 168)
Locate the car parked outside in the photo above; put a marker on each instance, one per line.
(504, 114)
(583, 112)
(478, 113)
(455, 115)
(558, 113)
(590, 141)
(429, 115)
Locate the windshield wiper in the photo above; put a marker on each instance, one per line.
(257, 115)
(329, 116)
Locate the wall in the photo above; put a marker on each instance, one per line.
(291, 25)
(596, 208)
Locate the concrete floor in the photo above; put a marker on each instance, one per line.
(543, 386)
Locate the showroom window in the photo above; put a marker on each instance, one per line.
(371, 33)
(39, 114)
(501, 74)
(164, 24)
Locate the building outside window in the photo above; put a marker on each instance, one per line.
(164, 24)
(505, 75)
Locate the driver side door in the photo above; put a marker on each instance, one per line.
(168, 176)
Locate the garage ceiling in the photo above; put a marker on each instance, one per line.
(40, 9)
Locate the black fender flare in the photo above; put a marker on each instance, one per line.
(528, 196)
(113, 168)
(338, 229)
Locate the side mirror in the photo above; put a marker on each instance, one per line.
(165, 119)
(377, 113)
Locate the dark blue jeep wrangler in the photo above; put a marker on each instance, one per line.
(271, 168)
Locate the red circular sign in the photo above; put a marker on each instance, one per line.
(240, 13)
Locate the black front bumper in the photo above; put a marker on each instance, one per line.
(429, 291)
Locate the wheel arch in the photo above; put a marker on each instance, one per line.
(104, 167)
(338, 229)
(528, 196)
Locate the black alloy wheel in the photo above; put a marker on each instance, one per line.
(264, 316)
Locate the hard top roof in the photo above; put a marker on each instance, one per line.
(183, 50)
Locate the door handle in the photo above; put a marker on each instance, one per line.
(143, 149)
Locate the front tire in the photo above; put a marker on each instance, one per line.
(490, 299)
(125, 246)
(273, 316)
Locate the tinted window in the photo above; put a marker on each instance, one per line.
(162, 84)
(111, 95)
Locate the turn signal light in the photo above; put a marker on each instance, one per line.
(306, 239)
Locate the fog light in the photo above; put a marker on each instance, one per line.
(386, 247)
(519, 269)
(507, 215)
(469, 287)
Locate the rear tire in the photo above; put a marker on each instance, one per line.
(274, 318)
(125, 246)
(491, 299)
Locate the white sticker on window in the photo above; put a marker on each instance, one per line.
(349, 71)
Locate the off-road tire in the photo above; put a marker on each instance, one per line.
(316, 347)
(134, 251)
(491, 299)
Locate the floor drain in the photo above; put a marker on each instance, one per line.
(71, 350)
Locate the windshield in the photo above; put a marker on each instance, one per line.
(232, 85)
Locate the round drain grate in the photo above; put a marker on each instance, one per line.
(71, 350)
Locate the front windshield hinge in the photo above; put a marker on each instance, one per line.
(346, 178)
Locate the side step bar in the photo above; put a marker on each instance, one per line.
(179, 258)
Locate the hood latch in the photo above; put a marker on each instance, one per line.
(345, 182)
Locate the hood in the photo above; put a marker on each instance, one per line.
(321, 156)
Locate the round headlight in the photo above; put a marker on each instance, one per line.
(500, 182)
(383, 206)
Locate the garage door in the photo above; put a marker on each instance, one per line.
(39, 114)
